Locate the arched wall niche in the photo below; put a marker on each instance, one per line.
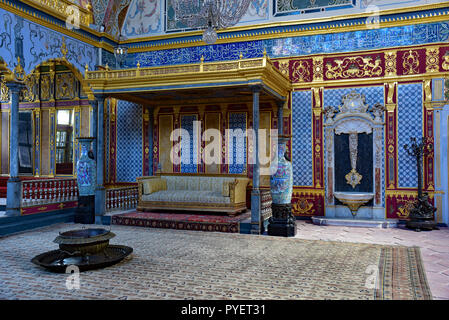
(354, 140)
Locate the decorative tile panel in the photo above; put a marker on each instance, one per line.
(373, 95)
(189, 145)
(302, 158)
(409, 125)
(129, 141)
(367, 39)
(237, 146)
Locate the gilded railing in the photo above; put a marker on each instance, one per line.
(122, 198)
(202, 67)
(64, 9)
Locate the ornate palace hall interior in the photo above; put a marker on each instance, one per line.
(232, 149)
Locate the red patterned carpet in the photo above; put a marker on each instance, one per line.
(183, 221)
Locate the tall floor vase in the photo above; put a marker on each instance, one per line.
(86, 177)
(282, 222)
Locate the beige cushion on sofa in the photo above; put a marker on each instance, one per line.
(186, 196)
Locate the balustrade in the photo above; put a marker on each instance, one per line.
(123, 198)
(39, 192)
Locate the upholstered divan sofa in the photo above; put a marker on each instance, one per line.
(195, 193)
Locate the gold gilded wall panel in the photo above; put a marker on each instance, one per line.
(265, 123)
(85, 125)
(65, 86)
(212, 121)
(165, 145)
(46, 87)
(45, 142)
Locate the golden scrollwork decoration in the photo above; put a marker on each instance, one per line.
(404, 210)
(19, 72)
(410, 62)
(64, 49)
(300, 71)
(428, 90)
(30, 92)
(445, 64)
(303, 207)
(4, 92)
(283, 67)
(354, 67)
(432, 59)
(65, 86)
(45, 87)
(318, 68)
(390, 63)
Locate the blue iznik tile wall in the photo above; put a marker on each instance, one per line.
(237, 143)
(410, 106)
(129, 141)
(189, 145)
(294, 46)
(373, 95)
(40, 44)
(302, 158)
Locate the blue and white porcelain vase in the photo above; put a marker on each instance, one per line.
(86, 169)
(281, 182)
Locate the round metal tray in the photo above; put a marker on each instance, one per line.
(58, 261)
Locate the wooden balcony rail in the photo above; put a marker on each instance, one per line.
(38, 192)
(122, 198)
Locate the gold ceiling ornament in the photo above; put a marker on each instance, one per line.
(354, 67)
(432, 59)
(390, 63)
(410, 62)
(64, 9)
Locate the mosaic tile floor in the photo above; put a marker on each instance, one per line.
(179, 264)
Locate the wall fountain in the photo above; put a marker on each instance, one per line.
(354, 140)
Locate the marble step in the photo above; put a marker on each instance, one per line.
(350, 222)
